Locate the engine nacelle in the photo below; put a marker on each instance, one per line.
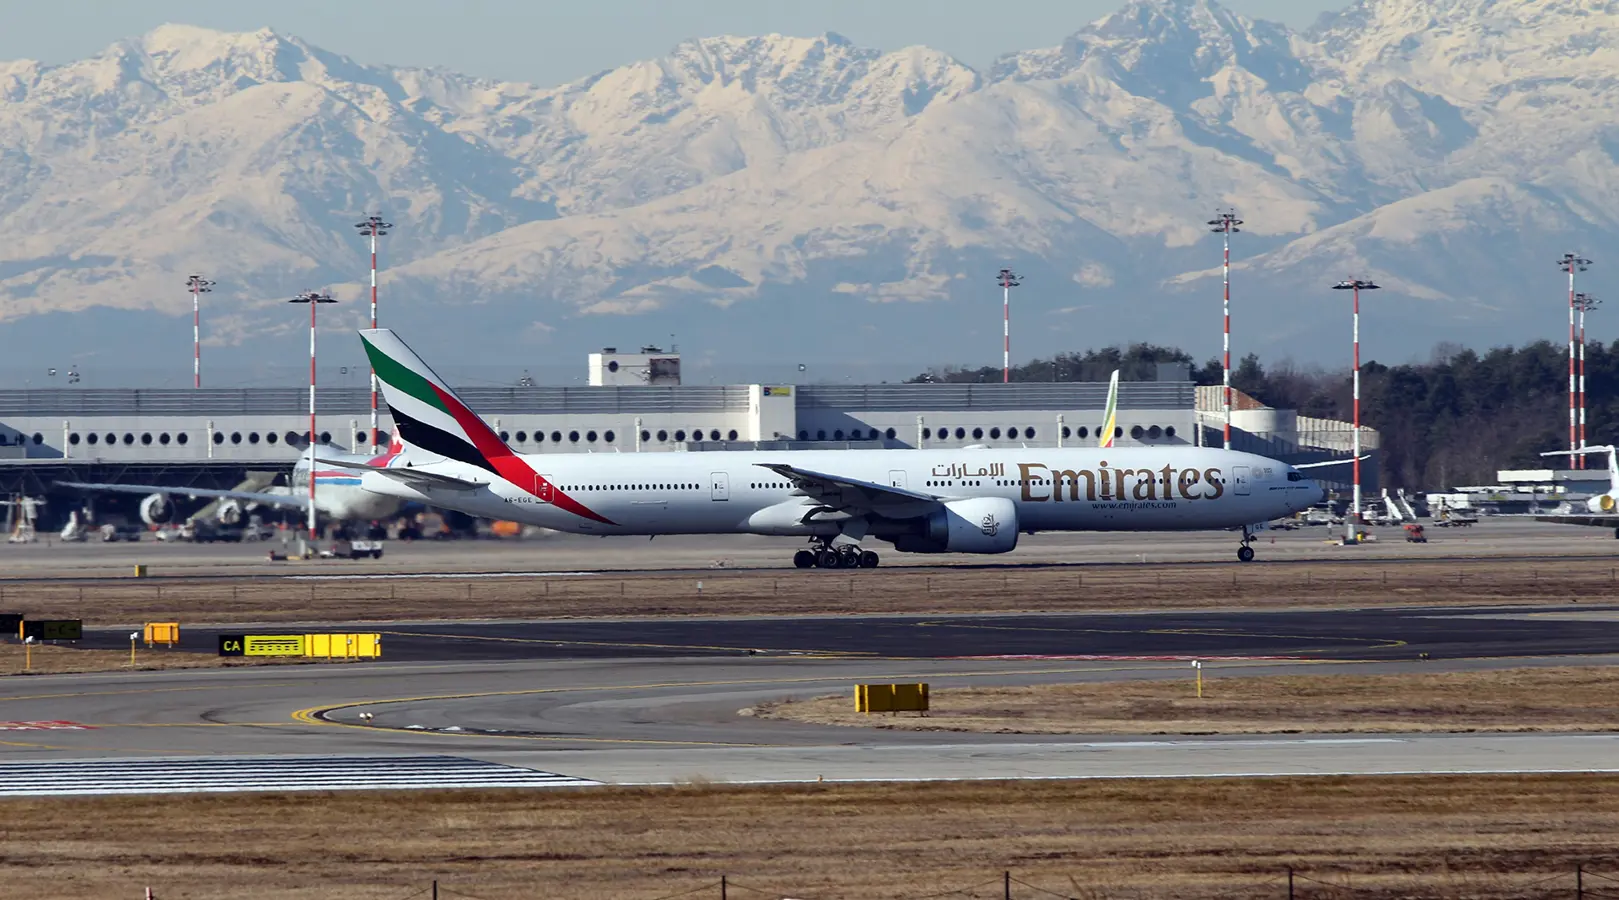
(978, 525)
(157, 509)
(229, 512)
(1602, 503)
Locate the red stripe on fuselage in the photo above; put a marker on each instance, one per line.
(507, 464)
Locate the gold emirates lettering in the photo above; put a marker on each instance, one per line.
(1041, 483)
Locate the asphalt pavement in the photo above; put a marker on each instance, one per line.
(1336, 634)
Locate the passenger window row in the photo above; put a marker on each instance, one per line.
(1137, 432)
(146, 439)
(608, 437)
(293, 438)
(854, 435)
(631, 487)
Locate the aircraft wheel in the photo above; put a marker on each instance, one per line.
(1245, 554)
(868, 559)
(804, 559)
(827, 559)
(849, 559)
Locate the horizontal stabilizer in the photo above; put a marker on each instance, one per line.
(1594, 448)
(1331, 462)
(415, 478)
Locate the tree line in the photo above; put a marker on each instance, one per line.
(1454, 419)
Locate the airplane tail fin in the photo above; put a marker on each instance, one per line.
(1613, 460)
(1110, 416)
(426, 413)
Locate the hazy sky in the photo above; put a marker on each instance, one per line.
(550, 42)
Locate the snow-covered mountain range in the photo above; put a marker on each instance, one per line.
(754, 194)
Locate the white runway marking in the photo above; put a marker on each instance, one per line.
(391, 576)
(218, 774)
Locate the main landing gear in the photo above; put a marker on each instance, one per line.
(829, 556)
(1245, 553)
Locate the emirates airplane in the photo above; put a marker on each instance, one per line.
(969, 500)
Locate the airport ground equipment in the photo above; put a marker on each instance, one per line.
(872, 698)
(1414, 534)
(343, 548)
(165, 633)
(343, 645)
(42, 630)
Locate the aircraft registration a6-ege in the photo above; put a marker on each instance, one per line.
(921, 501)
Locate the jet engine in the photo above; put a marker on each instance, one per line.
(229, 512)
(1602, 503)
(977, 525)
(157, 509)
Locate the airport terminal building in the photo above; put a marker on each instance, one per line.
(213, 437)
(259, 427)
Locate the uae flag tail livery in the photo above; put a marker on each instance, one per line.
(426, 413)
(429, 417)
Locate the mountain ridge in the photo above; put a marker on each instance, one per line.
(744, 181)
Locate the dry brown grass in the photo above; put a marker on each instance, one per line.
(1527, 699)
(50, 659)
(1387, 837)
(898, 590)
(58, 659)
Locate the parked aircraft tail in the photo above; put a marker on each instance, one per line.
(1613, 468)
(1110, 415)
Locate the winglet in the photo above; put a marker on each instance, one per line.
(1110, 416)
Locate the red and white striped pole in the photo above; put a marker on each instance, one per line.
(1356, 285)
(198, 286)
(1008, 280)
(373, 227)
(1225, 223)
(314, 299)
(1571, 263)
(1584, 303)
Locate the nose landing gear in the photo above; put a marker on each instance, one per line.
(829, 556)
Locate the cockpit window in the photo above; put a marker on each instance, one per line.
(1295, 476)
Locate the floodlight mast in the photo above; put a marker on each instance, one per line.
(1356, 285)
(1583, 303)
(314, 299)
(1225, 223)
(1572, 263)
(198, 286)
(1007, 280)
(373, 227)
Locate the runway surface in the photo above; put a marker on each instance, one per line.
(558, 553)
(1365, 634)
(571, 703)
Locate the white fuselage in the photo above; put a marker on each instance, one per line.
(1088, 489)
(341, 495)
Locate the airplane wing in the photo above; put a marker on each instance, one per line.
(1594, 521)
(285, 500)
(415, 478)
(854, 496)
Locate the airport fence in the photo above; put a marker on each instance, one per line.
(1576, 883)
